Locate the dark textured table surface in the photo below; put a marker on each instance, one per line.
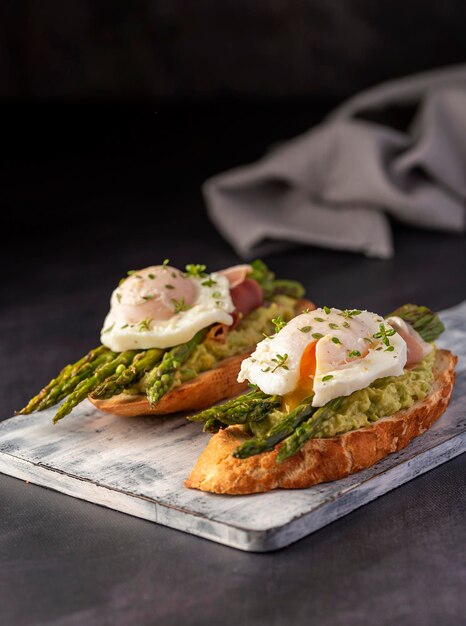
(62, 561)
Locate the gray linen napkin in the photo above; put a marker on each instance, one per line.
(333, 185)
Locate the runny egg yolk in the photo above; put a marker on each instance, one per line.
(305, 386)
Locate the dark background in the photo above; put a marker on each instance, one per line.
(111, 106)
(112, 115)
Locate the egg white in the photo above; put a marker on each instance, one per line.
(212, 305)
(345, 374)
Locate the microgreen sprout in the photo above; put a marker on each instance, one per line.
(180, 305)
(209, 282)
(280, 360)
(384, 334)
(196, 270)
(348, 313)
(279, 323)
(145, 324)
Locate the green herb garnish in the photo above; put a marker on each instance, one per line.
(279, 323)
(350, 313)
(145, 324)
(280, 360)
(196, 270)
(384, 334)
(180, 305)
(209, 282)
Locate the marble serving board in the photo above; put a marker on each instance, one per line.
(138, 465)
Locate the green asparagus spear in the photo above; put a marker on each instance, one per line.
(265, 277)
(212, 425)
(270, 285)
(67, 372)
(86, 387)
(423, 320)
(307, 430)
(276, 434)
(63, 389)
(36, 400)
(250, 407)
(291, 288)
(216, 412)
(160, 380)
(253, 410)
(115, 384)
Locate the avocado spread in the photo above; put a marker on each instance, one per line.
(243, 338)
(384, 397)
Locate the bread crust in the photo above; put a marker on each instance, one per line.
(321, 460)
(203, 391)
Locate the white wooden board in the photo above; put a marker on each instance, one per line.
(138, 465)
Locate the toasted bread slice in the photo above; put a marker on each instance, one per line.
(321, 460)
(201, 392)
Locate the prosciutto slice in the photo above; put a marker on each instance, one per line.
(417, 347)
(247, 296)
(245, 292)
(236, 274)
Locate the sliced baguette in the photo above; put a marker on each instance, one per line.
(201, 392)
(321, 460)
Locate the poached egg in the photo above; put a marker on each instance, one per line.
(161, 307)
(326, 352)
